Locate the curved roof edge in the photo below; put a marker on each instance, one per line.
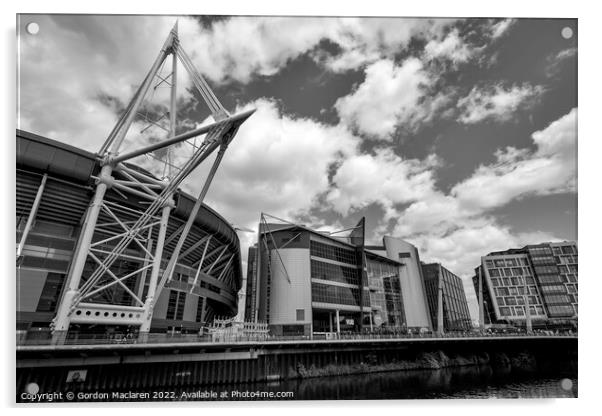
(70, 162)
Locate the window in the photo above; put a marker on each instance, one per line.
(51, 292)
(404, 255)
(510, 301)
(300, 314)
(500, 301)
(175, 305)
(337, 273)
(336, 253)
(510, 262)
(505, 311)
(494, 273)
(567, 249)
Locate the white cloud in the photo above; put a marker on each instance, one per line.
(455, 228)
(452, 48)
(501, 27)
(365, 40)
(390, 96)
(383, 178)
(276, 164)
(496, 102)
(516, 173)
(73, 63)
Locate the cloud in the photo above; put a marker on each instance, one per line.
(277, 164)
(362, 41)
(77, 72)
(452, 48)
(551, 168)
(555, 62)
(497, 103)
(390, 96)
(501, 28)
(384, 178)
(456, 227)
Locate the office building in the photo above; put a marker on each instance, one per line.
(456, 316)
(305, 282)
(544, 276)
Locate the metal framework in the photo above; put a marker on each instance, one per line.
(121, 228)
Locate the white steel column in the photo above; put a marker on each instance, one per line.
(61, 321)
(32, 215)
(150, 301)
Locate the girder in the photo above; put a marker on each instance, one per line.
(110, 230)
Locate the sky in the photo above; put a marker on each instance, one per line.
(457, 135)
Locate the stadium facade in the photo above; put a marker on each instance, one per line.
(58, 182)
(303, 282)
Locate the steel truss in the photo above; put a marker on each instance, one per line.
(111, 231)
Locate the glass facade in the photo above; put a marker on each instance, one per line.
(547, 271)
(456, 316)
(332, 252)
(385, 293)
(338, 295)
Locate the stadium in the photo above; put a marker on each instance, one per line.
(55, 186)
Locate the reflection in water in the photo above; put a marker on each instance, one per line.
(459, 382)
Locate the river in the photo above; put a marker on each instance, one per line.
(474, 382)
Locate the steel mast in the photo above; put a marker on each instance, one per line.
(137, 229)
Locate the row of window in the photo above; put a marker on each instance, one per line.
(518, 300)
(512, 281)
(562, 310)
(326, 251)
(335, 272)
(338, 295)
(553, 289)
(507, 262)
(520, 310)
(558, 299)
(515, 291)
(567, 259)
(540, 251)
(509, 272)
(565, 250)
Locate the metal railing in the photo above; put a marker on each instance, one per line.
(233, 339)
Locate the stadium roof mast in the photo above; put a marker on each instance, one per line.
(76, 305)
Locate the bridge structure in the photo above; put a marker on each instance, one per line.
(109, 230)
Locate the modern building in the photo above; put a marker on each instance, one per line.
(456, 316)
(207, 276)
(543, 276)
(304, 281)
